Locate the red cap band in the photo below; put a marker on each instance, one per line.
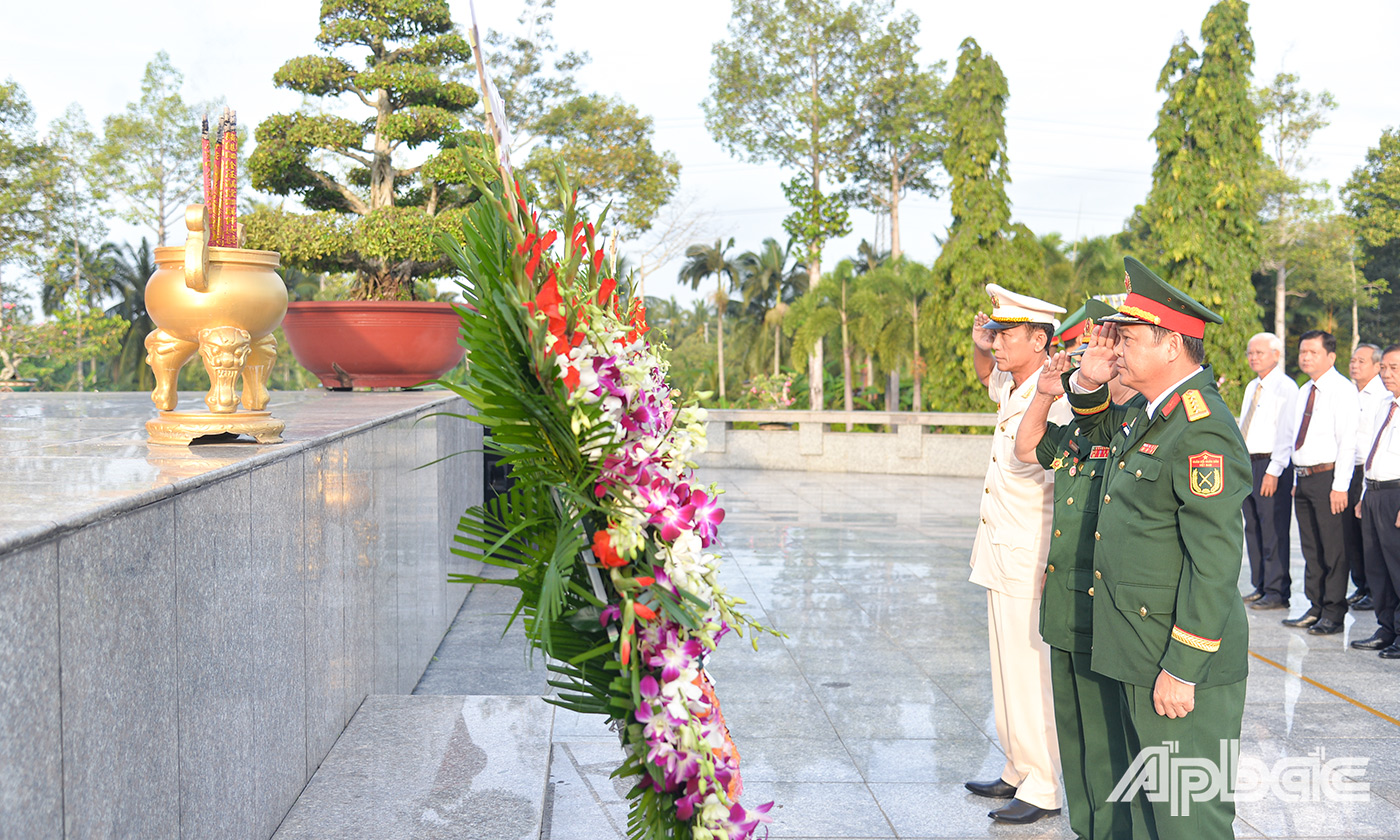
(1147, 309)
(1071, 333)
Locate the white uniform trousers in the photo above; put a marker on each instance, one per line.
(1022, 699)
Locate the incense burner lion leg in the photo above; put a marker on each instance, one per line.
(225, 351)
(166, 355)
(257, 371)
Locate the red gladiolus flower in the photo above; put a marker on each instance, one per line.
(645, 581)
(644, 612)
(603, 550)
(571, 380)
(605, 292)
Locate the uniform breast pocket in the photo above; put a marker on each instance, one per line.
(1142, 467)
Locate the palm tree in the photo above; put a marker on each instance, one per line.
(131, 268)
(770, 285)
(868, 258)
(701, 262)
(896, 297)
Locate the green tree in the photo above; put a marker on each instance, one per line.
(1202, 214)
(702, 262)
(604, 146)
(1372, 197)
(983, 245)
(785, 87)
(771, 281)
(901, 146)
(150, 155)
(29, 190)
(1324, 259)
(373, 214)
(1290, 116)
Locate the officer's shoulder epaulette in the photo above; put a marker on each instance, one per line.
(1196, 407)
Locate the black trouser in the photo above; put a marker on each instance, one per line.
(1266, 524)
(1351, 529)
(1382, 538)
(1324, 547)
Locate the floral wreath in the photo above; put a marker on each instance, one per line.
(605, 532)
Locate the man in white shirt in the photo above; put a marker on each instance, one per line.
(1363, 368)
(1380, 511)
(1324, 456)
(1008, 557)
(1266, 422)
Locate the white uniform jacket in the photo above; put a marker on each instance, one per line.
(1013, 534)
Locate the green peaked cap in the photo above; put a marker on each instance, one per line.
(1152, 300)
(1092, 310)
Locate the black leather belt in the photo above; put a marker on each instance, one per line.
(1260, 456)
(1304, 472)
(1372, 484)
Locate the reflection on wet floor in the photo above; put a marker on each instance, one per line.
(867, 719)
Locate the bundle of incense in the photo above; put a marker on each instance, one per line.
(221, 179)
(204, 156)
(229, 203)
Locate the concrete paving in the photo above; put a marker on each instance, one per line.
(868, 717)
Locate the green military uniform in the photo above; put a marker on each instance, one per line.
(1166, 563)
(1088, 712)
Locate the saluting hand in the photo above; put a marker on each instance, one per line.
(981, 336)
(1172, 697)
(1099, 363)
(1050, 383)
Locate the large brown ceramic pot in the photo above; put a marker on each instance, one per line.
(374, 344)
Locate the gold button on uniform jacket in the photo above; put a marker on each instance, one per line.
(1167, 560)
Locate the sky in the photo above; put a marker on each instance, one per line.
(1082, 78)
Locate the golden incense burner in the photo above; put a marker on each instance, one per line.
(222, 303)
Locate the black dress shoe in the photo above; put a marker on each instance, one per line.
(1304, 620)
(1357, 596)
(1378, 641)
(1364, 603)
(1392, 652)
(1254, 596)
(1270, 602)
(996, 790)
(1020, 813)
(1325, 627)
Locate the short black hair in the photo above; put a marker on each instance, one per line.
(1329, 341)
(1394, 348)
(1195, 347)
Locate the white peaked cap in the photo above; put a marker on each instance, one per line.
(1010, 309)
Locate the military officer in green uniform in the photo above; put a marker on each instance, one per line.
(1088, 711)
(1168, 623)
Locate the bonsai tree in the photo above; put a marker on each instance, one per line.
(373, 215)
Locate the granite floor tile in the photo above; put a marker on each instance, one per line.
(825, 809)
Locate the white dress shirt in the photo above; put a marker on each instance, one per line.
(1374, 397)
(1386, 465)
(1332, 432)
(1271, 429)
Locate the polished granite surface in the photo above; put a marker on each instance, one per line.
(67, 459)
(868, 717)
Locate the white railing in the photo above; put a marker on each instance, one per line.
(819, 441)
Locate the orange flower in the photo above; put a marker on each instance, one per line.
(644, 612)
(603, 548)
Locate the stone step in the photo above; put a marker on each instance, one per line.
(422, 767)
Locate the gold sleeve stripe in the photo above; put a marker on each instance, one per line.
(1192, 640)
(1093, 409)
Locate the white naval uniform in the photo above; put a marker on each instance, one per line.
(1008, 558)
